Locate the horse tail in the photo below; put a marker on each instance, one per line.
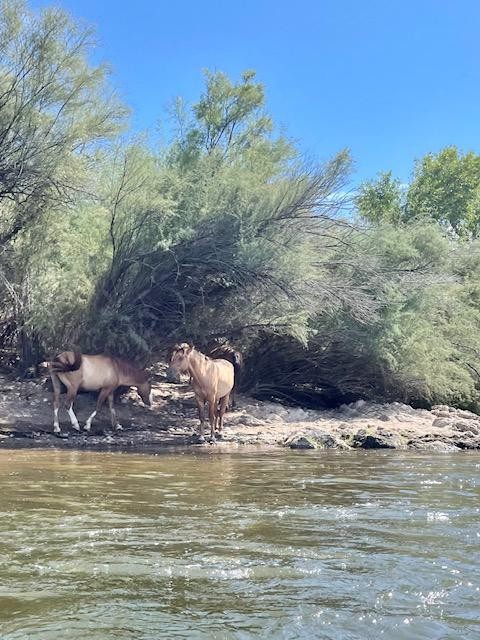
(237, 361)
(61, 365)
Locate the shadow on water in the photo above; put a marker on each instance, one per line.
(293, 544)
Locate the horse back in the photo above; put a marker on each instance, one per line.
(225, 376)
(94, 373)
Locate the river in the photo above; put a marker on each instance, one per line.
(100, 546)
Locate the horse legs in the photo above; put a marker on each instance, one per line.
(201, 414)
(113, 414)
(221, 411)
(56, 401)
(71, 395)
(212, 416)
(102, 396)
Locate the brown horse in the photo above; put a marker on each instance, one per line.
(212, 382)
(94, 373)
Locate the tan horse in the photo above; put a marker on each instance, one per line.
(94, 373)
(212, 382)
(226, 352)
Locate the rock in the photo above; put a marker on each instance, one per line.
(316, 438)
(466, 415)
(359, 404)
(406, 408)
(467, 427)
(467, 441)
(297, 415)
(275, 417)
(249, 421)
(21, 434)
(442, 422)
(384, 417)
(364, 440)
(301, 442)
(433, 445)
(441, 414)
(441, 407)
(401, 418)
(327, 441)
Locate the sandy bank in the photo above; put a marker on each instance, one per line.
(26, 421)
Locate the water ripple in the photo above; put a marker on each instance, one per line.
(294, 545)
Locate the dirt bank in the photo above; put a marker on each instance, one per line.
(26, 421)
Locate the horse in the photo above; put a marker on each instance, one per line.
(212, 381)
(226, 352)
(102, 373)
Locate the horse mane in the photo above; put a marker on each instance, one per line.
(128, 369)
(226, 352)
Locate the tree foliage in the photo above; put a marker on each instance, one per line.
(225, 233)
(445, 188)
(53, 109)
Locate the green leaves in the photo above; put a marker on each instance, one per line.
(53, 104)
(226, 233)
(445, 188)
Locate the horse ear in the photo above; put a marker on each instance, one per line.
(190, 348)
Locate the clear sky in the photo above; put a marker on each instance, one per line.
(391, 80)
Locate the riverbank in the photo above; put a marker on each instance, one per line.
(26, 421)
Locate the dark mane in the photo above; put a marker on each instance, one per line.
(226, 352)
(128, 369)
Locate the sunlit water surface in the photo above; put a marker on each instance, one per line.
(285, 545)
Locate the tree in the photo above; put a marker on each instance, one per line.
(54, 110)
(221, 239)
(228, 124)
(381, 200)
(446, 188)
(56, 113)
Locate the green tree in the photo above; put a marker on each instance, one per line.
(229, 124)
(56, 113)
(446, 188)
(222, 238)
(54, 110)
(381, 200)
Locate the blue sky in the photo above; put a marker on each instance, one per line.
(389, 80)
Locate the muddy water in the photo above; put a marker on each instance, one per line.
(286, 545)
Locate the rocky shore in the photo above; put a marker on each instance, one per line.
(26, 421)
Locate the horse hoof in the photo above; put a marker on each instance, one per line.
(200, 440)
(61, 435)
(118, 427)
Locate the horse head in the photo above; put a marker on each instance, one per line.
(145, 393)
(179, 361)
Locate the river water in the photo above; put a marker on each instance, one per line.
(100, 546)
